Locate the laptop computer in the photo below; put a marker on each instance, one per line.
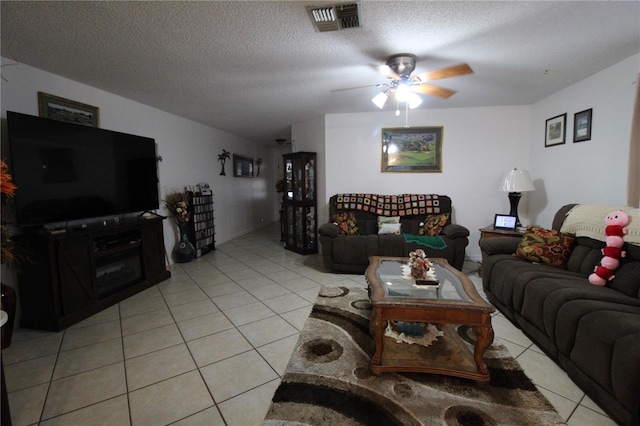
(505, 221)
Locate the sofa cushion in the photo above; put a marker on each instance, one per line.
(346, 222)
(411, 224)
(355, 249)
(389, 225)
(610, 339)
(389, 228)
(433, 224)
(546, 246)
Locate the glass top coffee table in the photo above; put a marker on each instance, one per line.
(396, 299)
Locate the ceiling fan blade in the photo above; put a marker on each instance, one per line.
(359, 87)
(453, 71)
(439, 92)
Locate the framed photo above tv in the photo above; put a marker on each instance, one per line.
(57, 108)
(412, 149)
(555, 130)
(242, 166)
(582, 125)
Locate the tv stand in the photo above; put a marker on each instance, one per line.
(70, 276)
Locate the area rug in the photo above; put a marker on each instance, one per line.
(328, 382)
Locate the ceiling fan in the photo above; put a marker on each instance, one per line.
(405, 86)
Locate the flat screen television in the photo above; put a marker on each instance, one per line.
(66, 172)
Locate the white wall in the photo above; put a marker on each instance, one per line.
(189, 150)
(479, 144)
(593, 171)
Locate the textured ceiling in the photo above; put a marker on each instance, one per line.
(253, 68)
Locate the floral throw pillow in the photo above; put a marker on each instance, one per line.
(433, 224)
(546, 246)
(346, 222)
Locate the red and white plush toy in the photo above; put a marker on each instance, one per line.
(616, 227)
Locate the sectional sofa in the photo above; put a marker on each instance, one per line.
(592, 332)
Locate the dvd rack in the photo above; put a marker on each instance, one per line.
(202, 226)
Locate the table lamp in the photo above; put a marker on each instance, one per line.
(515, 182)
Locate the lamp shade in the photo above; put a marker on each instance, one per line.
(516, 181)
(380, 99)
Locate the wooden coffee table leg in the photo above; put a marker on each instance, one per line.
(378, 329)
(484, 338)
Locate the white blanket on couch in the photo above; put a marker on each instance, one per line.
(587, 220)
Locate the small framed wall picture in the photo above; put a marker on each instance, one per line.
(242, 166)
(555, 130)
(57, 108)
(582, 125)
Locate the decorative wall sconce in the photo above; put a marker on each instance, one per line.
(258, 164)
(222, 158)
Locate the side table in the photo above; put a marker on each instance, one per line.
(490, 232)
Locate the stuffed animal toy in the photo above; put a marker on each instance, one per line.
(615, 228)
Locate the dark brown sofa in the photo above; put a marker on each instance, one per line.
(350, 253)
(592, 332)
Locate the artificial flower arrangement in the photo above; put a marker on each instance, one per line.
(280, 185)
(419, 263)
(7, 190)
(178, 205)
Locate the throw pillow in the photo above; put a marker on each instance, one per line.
(546, 246)
(433, 224)
(389, 228)
(387, 219)
(346, 222)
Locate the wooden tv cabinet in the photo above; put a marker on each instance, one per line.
(70, 275)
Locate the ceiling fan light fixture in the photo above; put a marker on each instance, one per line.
(380, 99)
(403, 92)
(414, 101)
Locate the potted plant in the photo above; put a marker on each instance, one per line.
(7, 255)
(177, 203)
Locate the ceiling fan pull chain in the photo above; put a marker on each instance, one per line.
(406, 114)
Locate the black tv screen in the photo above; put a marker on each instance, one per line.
(66, 171)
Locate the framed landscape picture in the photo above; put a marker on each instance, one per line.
(555, 130)
(582, 125)
(412, 149)
(50, 106)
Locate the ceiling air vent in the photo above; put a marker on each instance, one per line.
(336, 17)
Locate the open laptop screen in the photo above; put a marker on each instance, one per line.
(503, 221)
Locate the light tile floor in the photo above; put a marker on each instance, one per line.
(208, 347)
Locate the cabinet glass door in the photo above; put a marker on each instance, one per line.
(298, 181)
(309, 179)
(310, 220)
(288, 179)
(290, 226)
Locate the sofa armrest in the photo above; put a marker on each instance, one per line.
(455, 231)
(499, 245)
(329, 229)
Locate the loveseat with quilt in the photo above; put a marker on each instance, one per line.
(363, 225)
(540, 283)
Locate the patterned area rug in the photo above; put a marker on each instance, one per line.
(328, 382)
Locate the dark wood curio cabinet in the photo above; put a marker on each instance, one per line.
(300, 202)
